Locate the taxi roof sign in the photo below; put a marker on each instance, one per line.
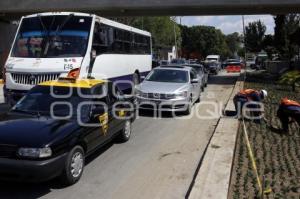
(74, 83)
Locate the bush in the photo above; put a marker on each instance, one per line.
(291, 78)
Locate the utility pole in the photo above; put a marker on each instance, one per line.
(244, 37)
(175, 38)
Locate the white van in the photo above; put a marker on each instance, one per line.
(216, 59)
(213, 58)
(49, 45)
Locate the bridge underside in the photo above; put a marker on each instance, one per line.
(15, 8)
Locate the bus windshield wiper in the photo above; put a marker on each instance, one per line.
(46, 47)
(62, 25)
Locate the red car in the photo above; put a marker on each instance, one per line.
(234, 67)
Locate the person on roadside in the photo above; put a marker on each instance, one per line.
(288, 112)
(245, 97)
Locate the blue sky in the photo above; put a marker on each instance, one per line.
(229, 24)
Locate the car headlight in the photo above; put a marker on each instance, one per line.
(35, 152)
(182, 94)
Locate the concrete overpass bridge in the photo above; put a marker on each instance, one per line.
(14, 8)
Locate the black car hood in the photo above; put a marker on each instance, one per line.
(32, 131)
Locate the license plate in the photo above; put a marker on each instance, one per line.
(150, 102)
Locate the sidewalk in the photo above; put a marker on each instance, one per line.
(213, 179)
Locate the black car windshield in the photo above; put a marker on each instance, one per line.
(232, 60)
(44, 99)
(168, 75)
(52, 36)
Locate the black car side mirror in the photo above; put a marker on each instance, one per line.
(97, 111)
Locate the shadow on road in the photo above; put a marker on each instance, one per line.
(159, 114)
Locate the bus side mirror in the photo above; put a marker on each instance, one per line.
(93, 54)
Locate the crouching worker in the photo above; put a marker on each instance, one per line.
(288, 112)
(252, 99)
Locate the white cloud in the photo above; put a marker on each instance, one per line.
(229, 24)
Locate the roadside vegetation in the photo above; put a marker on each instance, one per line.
(277, 155)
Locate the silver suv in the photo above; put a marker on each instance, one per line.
(169, 88)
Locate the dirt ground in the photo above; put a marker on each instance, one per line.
(277, 155)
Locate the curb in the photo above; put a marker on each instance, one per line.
(213, 177)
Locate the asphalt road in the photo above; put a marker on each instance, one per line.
(159, 161)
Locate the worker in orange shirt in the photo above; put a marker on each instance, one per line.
(248, 96)
(288, 112)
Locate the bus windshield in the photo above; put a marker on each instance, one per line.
(52, 36)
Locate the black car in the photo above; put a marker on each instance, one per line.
(51, 130)
(212, 67)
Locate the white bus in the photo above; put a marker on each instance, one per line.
(50, 45)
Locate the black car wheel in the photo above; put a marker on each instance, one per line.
(125, 132)
(74, 166)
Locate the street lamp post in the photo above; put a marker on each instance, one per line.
(244, 37)
(175, 37)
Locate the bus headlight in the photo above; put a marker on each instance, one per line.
(35, 152)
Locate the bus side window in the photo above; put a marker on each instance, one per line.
(100, 39)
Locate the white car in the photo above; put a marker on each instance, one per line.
(169, 88)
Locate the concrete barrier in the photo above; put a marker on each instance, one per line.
(277, 67)
(213, 178)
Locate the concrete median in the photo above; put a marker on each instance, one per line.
(213, 178)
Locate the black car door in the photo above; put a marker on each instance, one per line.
(115, 110)
(99, 119)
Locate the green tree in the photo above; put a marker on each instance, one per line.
(205, 40)
(290, 78)
(268, 45)
(161, 28)
(286, 35)
(233, 42)
(254, 34)
(280, 35)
